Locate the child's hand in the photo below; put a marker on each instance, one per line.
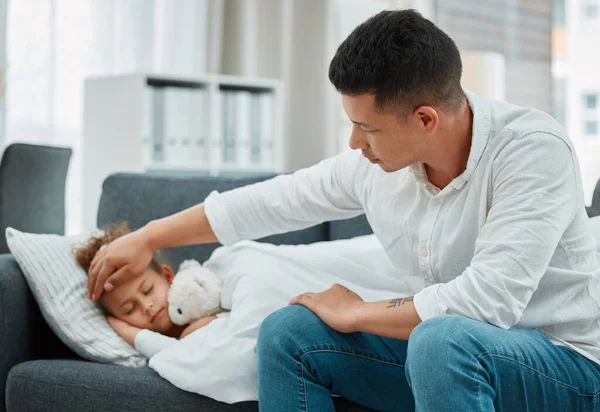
(124, 329)
(197, 325)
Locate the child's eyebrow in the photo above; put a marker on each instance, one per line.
(138, 289)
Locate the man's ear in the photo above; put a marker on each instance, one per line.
(167, 272)
(427, 118)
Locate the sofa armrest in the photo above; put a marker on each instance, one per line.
(17, 319)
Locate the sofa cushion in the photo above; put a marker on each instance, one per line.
(75, 386)
(140, 198)
(348, 228)
(70, 385)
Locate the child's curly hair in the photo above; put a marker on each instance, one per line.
(85, 254)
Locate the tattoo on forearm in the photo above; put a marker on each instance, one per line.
(394, 303)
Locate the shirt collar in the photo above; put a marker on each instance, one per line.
(481, 132)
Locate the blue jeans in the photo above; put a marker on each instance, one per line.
(449, 364)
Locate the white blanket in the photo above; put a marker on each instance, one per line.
(219, 360)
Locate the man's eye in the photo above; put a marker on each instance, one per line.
(149, 290)
(131, 310)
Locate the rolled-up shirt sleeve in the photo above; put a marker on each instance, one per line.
(535, 198)
(287, 202)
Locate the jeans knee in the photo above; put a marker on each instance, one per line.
(425, 335)
(284, 329)
(436, 342)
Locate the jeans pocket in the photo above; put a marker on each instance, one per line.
(589, 402)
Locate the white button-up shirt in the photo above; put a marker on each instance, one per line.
(507, 242)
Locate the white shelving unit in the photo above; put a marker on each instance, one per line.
(118, 121)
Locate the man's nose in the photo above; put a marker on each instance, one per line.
(357, 139)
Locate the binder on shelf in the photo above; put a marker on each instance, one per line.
(199, 151)
(255, 141)
(229, 128)
(177, 107)
(170, 124)
(267, 124)
(158, 125)
(243, 129)
(185, 135)
(146, 127)
(185, 132)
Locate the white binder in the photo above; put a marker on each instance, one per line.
(243, 129)
(199, 151)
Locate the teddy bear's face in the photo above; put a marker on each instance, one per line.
(195, 293)
(186, 301)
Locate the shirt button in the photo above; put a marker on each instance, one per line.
(436, 201)
(424, 252)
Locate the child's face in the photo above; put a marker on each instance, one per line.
(142, 301)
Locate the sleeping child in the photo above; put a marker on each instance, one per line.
(140, 303)
(218, 359)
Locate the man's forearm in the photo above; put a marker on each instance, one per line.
(188, 227)
(394, 318)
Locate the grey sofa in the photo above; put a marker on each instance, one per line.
(32, 189)
(39, 374)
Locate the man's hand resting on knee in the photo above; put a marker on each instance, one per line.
(344, 311)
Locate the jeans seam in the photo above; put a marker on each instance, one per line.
(583, 395)
(303, 386)
(530, 368)
(590, 396)
(309, 352)
(479, 397)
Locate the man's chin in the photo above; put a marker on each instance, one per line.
(387, 168)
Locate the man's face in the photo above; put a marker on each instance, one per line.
(139, 299)
(382, 138)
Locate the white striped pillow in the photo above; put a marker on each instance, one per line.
(59, 285)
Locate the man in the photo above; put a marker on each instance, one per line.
(480, 201)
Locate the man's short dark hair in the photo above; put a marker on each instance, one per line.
(401, 58)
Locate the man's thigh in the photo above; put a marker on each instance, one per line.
(491, 368)
(361, 367)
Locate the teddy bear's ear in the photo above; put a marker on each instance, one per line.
(188, 264)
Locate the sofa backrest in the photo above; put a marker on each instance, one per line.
(140, 198)
(345, 229)
(594, 208)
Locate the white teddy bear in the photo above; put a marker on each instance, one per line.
(194, 293)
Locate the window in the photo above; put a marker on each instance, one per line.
(590, 10)
(558, 13)
(591, 128)
(53, 45)
(575, 63)
(591, 113)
